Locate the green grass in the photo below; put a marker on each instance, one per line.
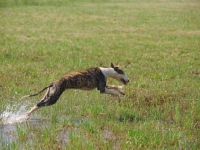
(156, 43)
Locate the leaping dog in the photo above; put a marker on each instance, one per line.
(83, 80)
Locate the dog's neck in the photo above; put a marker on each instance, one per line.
(108, 72)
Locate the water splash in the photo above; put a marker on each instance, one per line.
(14, 113)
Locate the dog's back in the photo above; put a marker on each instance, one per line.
(84, 80)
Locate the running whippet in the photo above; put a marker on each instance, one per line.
(83, 80)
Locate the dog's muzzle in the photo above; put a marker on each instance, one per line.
(124, 81)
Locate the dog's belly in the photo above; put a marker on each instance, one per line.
(86, 85)
(85, 88)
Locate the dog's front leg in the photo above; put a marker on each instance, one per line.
(115, 88)
(107, 91)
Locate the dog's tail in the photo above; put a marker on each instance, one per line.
(37, 92)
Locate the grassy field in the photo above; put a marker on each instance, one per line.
(156, 43)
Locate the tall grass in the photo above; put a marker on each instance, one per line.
(155, 42)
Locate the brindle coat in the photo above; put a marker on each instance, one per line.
(85, 80)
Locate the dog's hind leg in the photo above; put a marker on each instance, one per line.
(34, 108)
(50, 98)
(28, 114)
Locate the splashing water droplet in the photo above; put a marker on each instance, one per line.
(14, 113)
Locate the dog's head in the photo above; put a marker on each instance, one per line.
(119, 74)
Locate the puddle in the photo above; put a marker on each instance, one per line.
(8, 133)
(12, 120)
(13, 117)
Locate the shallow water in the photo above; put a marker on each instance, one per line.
(13, 117)
(8, 133)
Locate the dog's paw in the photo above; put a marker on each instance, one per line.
(27, 116)
(122, 93)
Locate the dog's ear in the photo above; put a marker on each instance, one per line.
(116, 68)
(112, 65)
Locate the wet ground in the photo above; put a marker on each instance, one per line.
(9, 132)
(12, 120)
